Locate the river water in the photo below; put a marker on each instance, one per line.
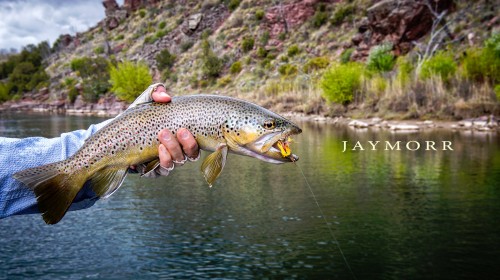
(394, 214)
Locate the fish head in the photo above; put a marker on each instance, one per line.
(261, 134)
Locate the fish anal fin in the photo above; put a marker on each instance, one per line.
(54, 190)
(214, 163)
(106, 181)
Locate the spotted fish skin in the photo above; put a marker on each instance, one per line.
(219, 124)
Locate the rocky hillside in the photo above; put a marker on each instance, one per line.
(271, 51)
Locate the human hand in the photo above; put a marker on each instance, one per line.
(173, 150)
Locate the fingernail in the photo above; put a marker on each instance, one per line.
(163, 94)
(167, 136)
(184, 134)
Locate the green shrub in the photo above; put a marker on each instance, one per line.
(162, 25)
(405, 68)
(129, 80)
(483, 65)
(165, 60)
(161, 33)
(341, 13)
(233, 4)
(38, 80)
(21, 76)
(119, 37)
(186, 45)
(315, 64)
(287, 70)
(224, 81)
(212, 64)
(261, 52)
(319, 18)
(150, 39)
(293, 50)
(264, 38)
(282, 36)
(235, 68)
(441, 64)
(88, 67)
(72, 94)
(142, 13)
(346, 55)
(4, 92)
(259, 14)
(206, 33)
(95, 76)
(99, 50)
(341, 81)
(93, 89)
(247, 44)
(265, 63)
(381, 58)
(493, 44)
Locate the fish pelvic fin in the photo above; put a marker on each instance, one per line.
(214, 163)
(54, 190)
(107, 181)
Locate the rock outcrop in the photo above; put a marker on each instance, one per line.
(114, 14)
(134, 5)
(398, 22)
(190, 30)
(280, 18)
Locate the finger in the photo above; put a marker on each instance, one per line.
(161, 95)
(173, 147)
(165, 159)
(188, 143)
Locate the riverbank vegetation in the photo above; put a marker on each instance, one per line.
(307, 60)
(446, 84)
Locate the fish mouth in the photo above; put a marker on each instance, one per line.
(275, 147)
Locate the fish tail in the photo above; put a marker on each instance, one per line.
(54, 189)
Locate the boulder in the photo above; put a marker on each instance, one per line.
(398, 22)
(194, 21)
(358, 124)
(404, 127)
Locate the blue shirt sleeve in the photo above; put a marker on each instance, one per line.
(20, 154)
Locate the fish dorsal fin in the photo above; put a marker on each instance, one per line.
(107, 180)
(214, 163)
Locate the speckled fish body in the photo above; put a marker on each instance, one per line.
(219, 124)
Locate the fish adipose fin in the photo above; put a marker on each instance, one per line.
(214, 163)
(54, 190)
(106, 181)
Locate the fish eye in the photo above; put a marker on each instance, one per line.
(269, 124)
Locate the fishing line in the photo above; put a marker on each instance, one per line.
(326, 222)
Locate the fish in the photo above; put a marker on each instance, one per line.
(220, 125)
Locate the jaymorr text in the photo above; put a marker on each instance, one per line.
(399, 145)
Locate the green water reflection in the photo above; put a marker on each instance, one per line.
(396, 214)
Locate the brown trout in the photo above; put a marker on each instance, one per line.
(219, 124)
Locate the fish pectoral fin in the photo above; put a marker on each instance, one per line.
(214, 163)
(107, 180)
(150, 167)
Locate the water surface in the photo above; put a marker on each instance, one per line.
(396, 215)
